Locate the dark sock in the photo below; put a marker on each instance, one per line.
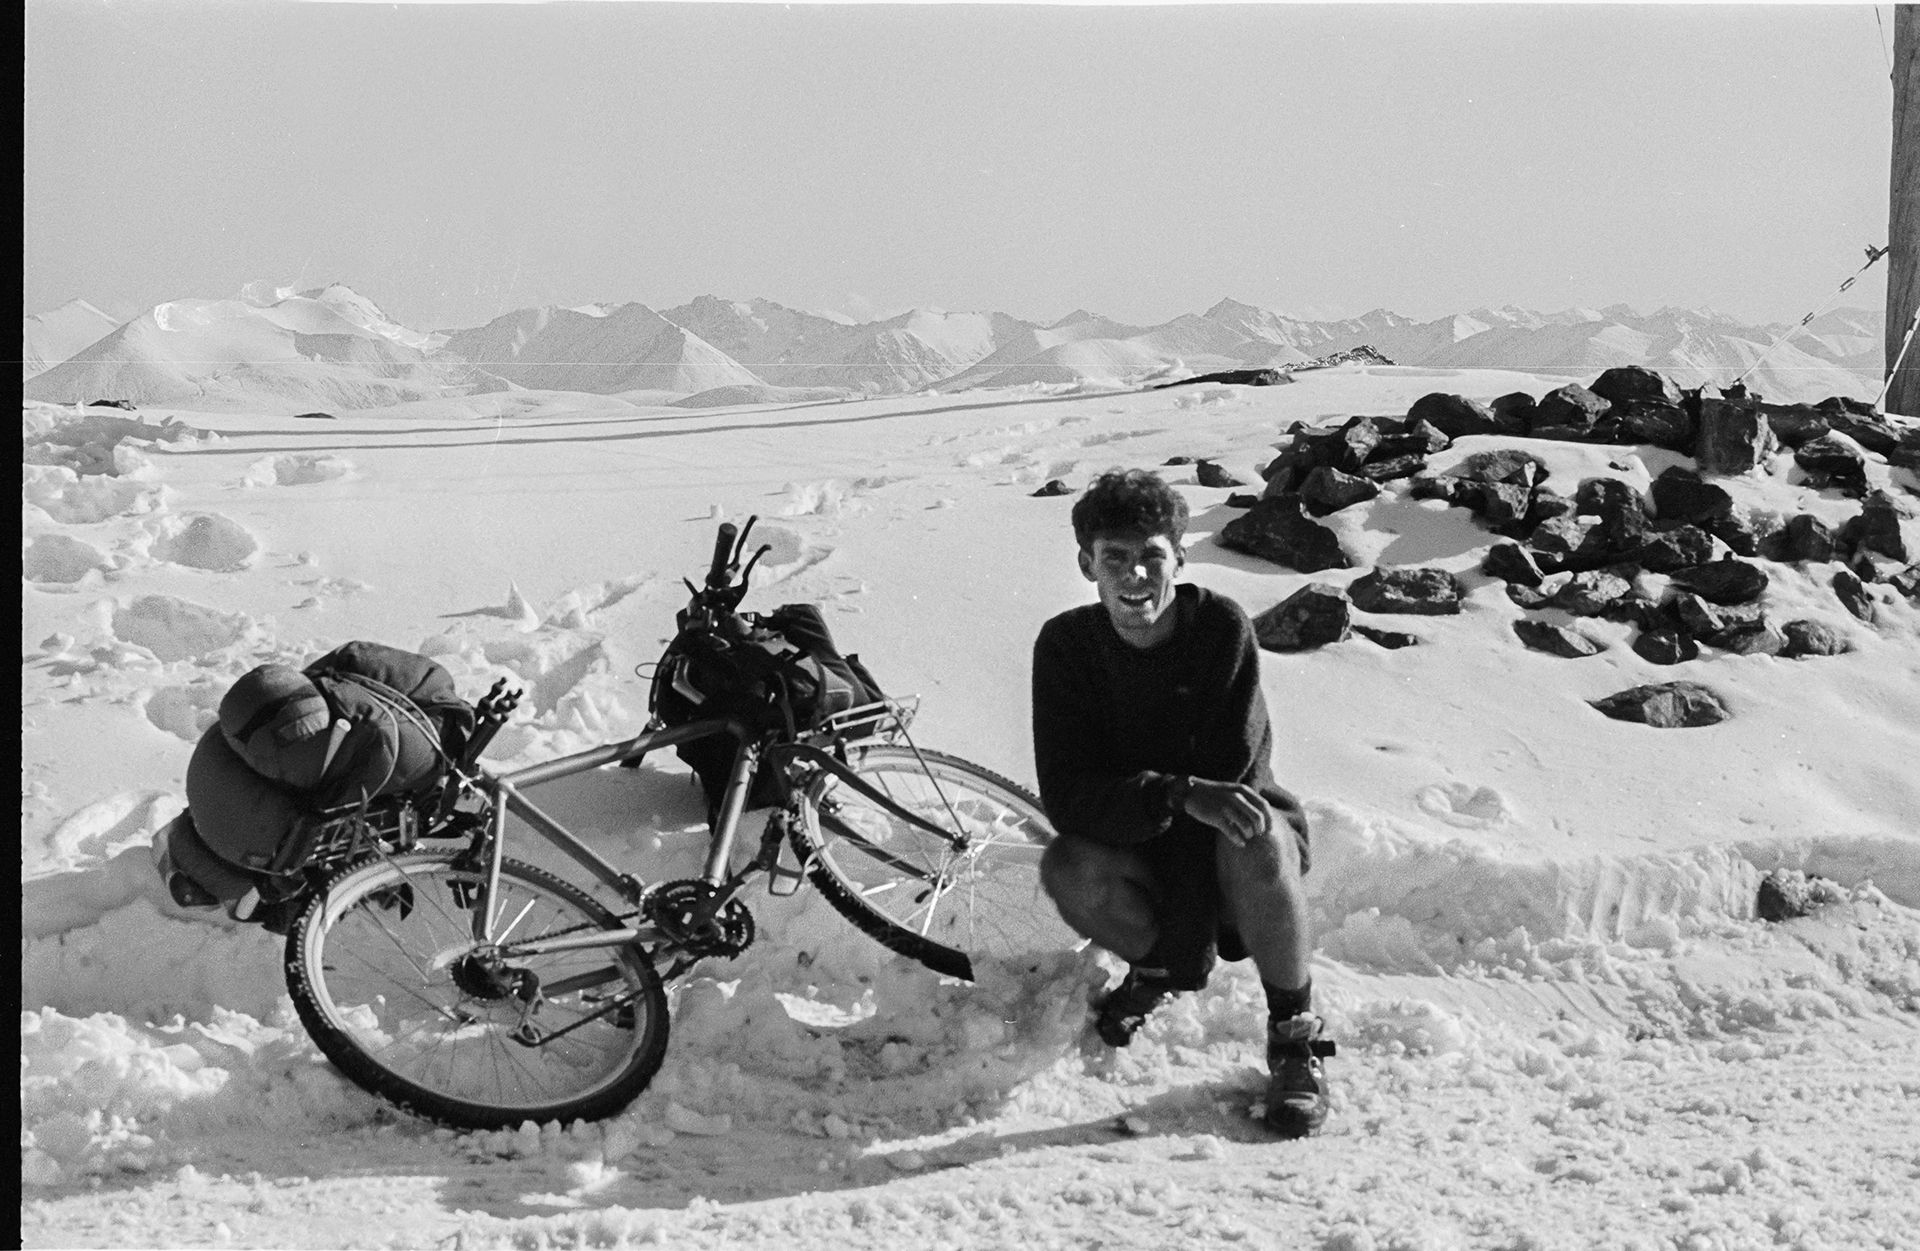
(1284, 1004)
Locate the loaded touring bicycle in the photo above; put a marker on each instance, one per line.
(445, 974)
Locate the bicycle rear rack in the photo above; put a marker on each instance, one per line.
(884, 720)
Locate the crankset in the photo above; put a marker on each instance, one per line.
(700, 918)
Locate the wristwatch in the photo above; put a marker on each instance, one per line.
(1178, 785)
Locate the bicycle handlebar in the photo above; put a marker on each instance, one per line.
(720, 572)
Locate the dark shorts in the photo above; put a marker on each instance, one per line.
(1185, 870)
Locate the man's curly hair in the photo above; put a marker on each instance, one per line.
(1133, 502)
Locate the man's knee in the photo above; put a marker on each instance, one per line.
(1271, 861)
(1074, 876)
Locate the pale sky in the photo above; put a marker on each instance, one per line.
(455, 162)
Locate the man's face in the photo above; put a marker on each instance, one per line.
(1135, 577)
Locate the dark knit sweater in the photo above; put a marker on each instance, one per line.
(1113, 723)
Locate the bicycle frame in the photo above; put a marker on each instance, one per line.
(507, 792)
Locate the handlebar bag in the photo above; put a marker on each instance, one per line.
(777, 670)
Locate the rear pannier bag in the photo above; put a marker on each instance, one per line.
(363, 721)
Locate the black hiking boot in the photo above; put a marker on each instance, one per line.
(1297, 1091)
(1127, 1007)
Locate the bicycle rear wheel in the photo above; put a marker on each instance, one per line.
(388, 978)
(945, 901)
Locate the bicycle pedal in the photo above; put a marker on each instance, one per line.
(783, 881)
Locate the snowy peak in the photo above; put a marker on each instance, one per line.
(48, 338)
(626, 348)
(302, 350)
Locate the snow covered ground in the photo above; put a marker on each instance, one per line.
(1561, 1023)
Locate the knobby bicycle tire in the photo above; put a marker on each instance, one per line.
(943, 905)
(379, 971)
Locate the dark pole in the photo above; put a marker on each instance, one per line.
(1903, 215)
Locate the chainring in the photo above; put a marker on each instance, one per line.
(686, 912)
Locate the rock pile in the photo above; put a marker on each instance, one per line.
(1678, 563)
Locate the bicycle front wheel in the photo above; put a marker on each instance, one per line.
(389, 976)
(971, 892)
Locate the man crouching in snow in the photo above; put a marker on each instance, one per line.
(1152, 743)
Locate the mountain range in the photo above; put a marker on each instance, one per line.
(331, 347)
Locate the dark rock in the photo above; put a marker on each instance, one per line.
(1327, 490)
(1640, 612)
(1728, 581)
(1795, 424)
(315, 417)
(1544, 636)
(1666, 705)
(1663, 551)
(1427, 592)
(1907, 582)
(1732, 438)
(1235, 377)
(1393, 467)
(1457, 416)
(1570, 542)
(1313, 616)
(1502, 505)
(1571, 414)
(1588, 593)
(1759, 638)
(1847, 404)
(1835, 460)
(1528, 597)
(1544, 507)
(1873, 566)
(1503, 464)
(1054, 486)
(1392, 640)
(1624, 384)
(1748, 533)
(1178, 460)
(1511, 562)
(1707, 620)
(1665, 646)
(123, 405)
(1812, 638)
(1869, 430)
(1876, 528)
(1852, 594)
(1624, 513)
(1242, 501)
(1353, 443)
(1516, 409)
(1682, 495)
(1436, 487)
(1907, 454)
(1410, 437)
(1285, 472)
(1208, 474)
(1788, 895)
(1663, 425)
(1807, 538)
(1278, 529)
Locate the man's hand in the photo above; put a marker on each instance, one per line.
(1233, 808)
